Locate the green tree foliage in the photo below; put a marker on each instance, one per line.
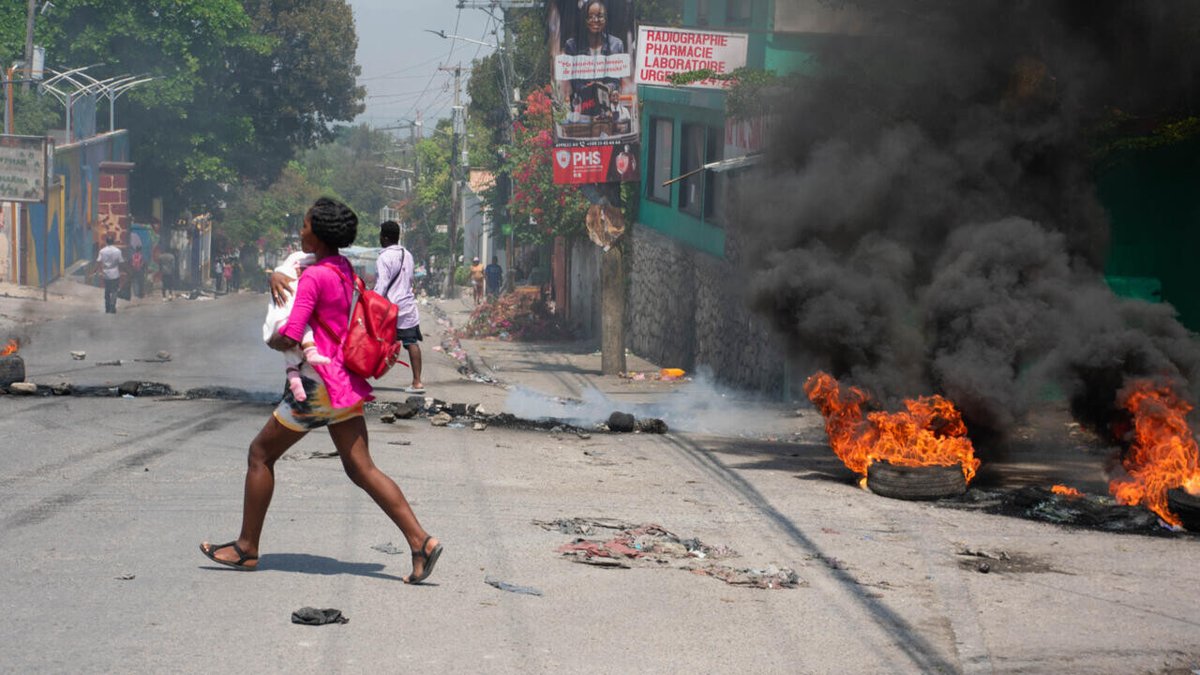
(350, 169)
(429, 210)
(266, 217)
(240, 84)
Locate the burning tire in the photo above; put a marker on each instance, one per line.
(1187, 507)
(12, 369)
(915, 482)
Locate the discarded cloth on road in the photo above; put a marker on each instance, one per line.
(651, 545)
(311, 616)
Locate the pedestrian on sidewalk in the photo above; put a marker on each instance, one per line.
(477, 280)
(108, 265)
(495, 277)
(335, 399)
(394, 276)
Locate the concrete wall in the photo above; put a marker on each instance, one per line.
(91, 204)
(685, 310)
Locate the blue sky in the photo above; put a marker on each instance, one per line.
(400, 60)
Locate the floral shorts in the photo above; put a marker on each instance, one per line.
(314, 412)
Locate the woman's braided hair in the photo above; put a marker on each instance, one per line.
(333, 222)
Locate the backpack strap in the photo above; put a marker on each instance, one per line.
(355, 286)
(396, 276)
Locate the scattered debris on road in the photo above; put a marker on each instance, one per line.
(511, 588)
(650, 545)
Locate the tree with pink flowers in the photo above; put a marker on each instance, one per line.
(539, 209)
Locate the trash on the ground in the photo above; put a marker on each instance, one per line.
(511, 588)
(61, 389)
(479, 426)
(390, 548)
(399, 442)
(125, 577)
(24, 388)
(582, 525)
(312, 455)
(441, 419)
(650, 545)
(651, 425)
(79, 356)
(164, 355)
(311, 616)
(671, 373)
(998, 555)
(388, 419)
(770, 578)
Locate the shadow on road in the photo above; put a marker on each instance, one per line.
(305, 563)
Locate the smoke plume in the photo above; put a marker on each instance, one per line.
(927, 220)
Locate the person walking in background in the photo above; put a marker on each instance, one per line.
(108, 265)
(477, 280)
(227, 274)
(394, 275)
(137, 264)
(166, 270)
(495, 277)
(335, 399)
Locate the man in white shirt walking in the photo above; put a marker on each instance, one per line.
(394, 280)
(109, 262)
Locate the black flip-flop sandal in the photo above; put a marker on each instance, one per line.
(211, 554)
(431, 559)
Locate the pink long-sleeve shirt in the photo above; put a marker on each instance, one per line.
(322, 293)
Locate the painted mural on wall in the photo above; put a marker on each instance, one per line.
(79, 222)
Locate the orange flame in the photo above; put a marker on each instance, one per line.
(12, 348)
(1066, 491)
(930, 433)
(1163, 455)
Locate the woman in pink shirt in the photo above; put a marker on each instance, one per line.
(334, 399)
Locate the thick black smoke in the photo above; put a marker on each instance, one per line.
(927, 220)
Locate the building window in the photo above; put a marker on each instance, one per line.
(661, 149)
(701, 12)
(737, 12)
(699, 191)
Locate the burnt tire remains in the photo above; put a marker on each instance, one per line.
(1187, 507)
(12, 369)
(915, 482)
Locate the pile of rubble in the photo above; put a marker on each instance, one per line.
(515, 316)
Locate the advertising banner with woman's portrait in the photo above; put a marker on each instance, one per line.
(595, 98)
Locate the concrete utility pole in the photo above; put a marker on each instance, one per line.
(449, 290)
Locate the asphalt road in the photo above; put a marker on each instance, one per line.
(104, 500)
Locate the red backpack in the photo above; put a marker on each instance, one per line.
(369, 348)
